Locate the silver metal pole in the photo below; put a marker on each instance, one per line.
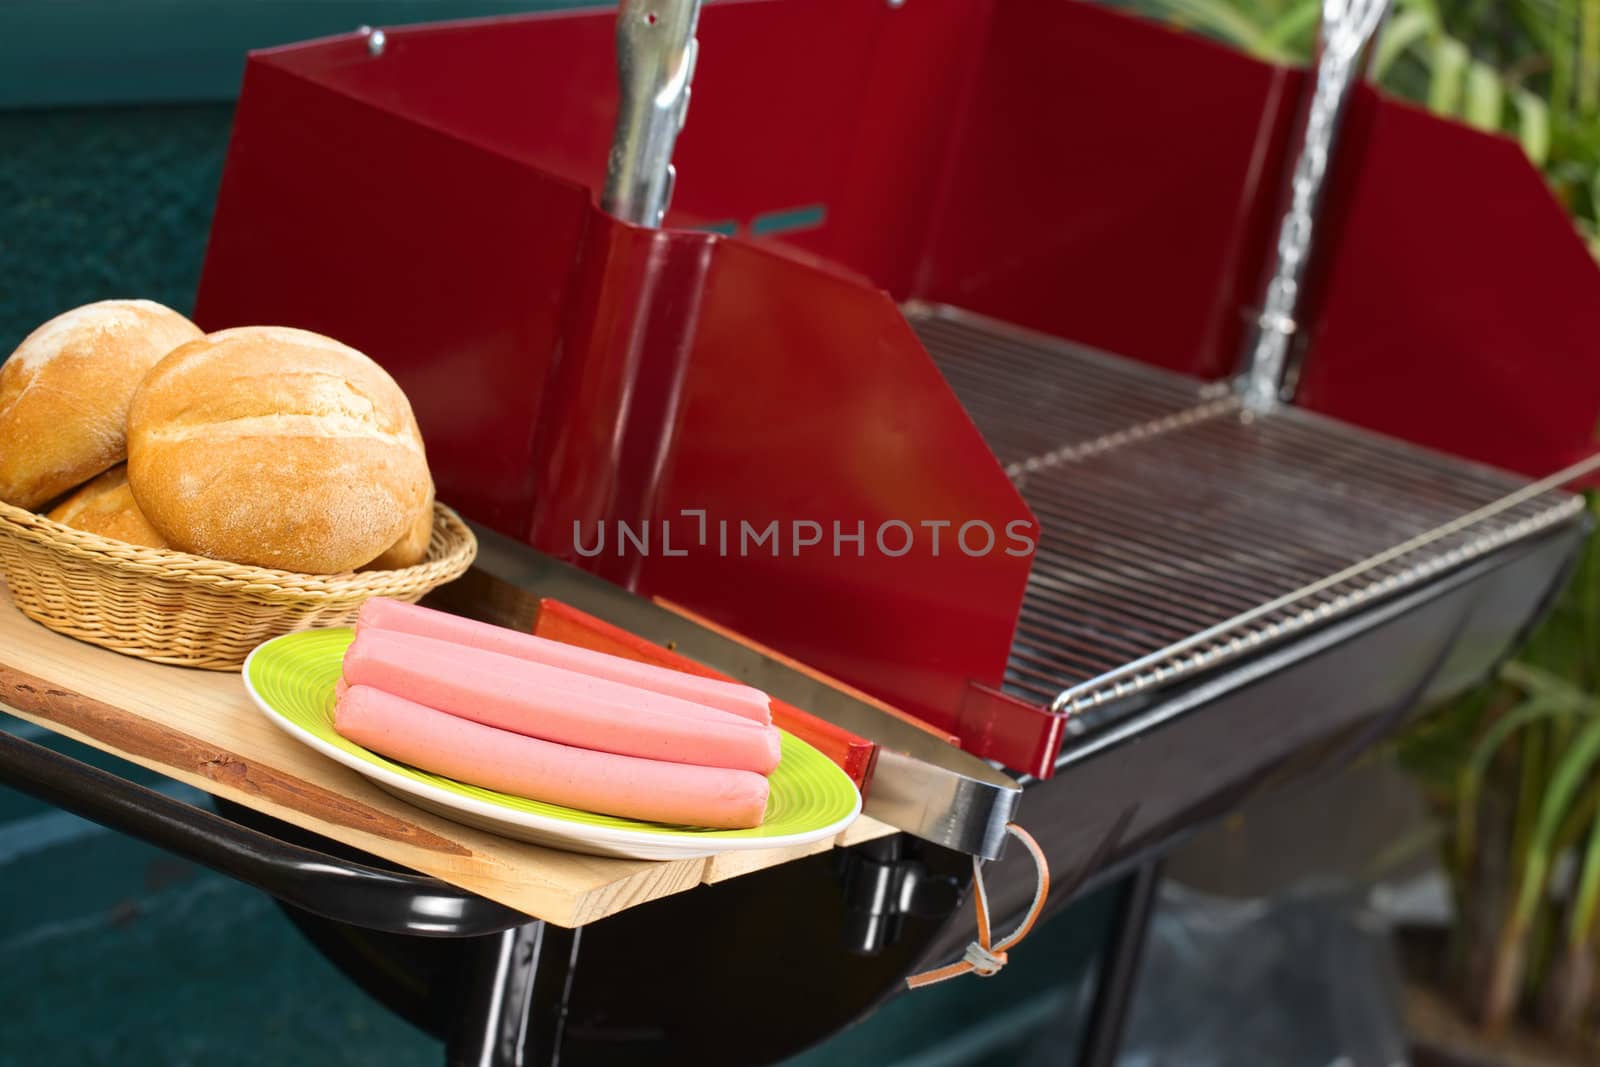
(1348, 30)
(656, 51)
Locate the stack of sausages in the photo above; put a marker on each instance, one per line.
(536, 718)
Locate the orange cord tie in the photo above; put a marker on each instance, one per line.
(981, 957)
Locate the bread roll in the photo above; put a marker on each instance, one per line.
(278, 448)
(412, 548)
(64, 394)
(106, 506)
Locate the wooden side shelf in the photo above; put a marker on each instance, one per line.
(200, 727)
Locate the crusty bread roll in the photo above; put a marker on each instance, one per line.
(412, 548)
(64, 394)
(106, 506)
(277, 448)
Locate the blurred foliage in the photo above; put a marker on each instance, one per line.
(1514, 769)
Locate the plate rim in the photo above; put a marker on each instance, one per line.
(599, 835)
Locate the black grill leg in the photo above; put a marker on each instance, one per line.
(515, 998)
(1119, 971)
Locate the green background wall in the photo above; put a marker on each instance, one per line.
(102, 202)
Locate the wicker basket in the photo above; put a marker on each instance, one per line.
(172, 607)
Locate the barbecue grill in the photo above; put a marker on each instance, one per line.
(1270, 520)
(626, 374)
(885, 289)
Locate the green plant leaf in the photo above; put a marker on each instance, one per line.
(1580, 926)
(1533, 126)
(1589, 59)
(1569, 776)
(1222, 19)
(1427, 8)
(1450, 60)
(1294, 31)
(1533, 768)
(1575, 824)
(1551, 688)
(1554, 26)
(1470, 780)
(1541, 20)
(1547, 697)
(1402, 32)
(1512, 946)
(1484, 98)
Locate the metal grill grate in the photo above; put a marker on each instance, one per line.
(1177, 531)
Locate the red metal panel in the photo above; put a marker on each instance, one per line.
(1113, 183)
(836, 104)
(841, 419)
(607, 428)
(538, 89)
(448, 264)
(991, 722)
(881, 201)
(1460, 311)
(661, 412)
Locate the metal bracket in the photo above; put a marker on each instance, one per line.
(881, 886)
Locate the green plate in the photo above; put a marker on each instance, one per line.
(292, 679)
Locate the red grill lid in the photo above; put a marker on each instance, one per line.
(1053, 164)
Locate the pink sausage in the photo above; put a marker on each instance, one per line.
(380, 613)
(555, 705)
(577, 683)
(557, 774)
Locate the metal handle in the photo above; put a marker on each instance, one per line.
(325, 885)
(656, 50)
(1348, 30)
